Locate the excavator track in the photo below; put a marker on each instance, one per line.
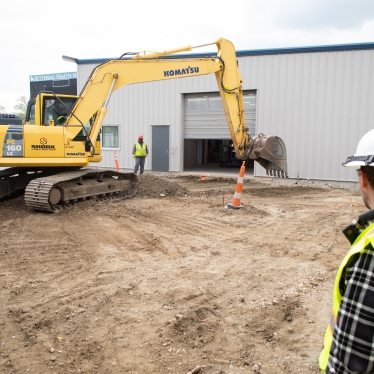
(53, 192)
(14, 180)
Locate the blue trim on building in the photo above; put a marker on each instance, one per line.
(257, 52)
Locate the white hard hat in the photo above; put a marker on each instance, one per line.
(364, 155)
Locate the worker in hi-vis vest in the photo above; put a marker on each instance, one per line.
(349, 338)
(140, 152)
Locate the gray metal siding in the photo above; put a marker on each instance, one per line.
(318, 103)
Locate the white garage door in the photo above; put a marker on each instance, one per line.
(204, 117)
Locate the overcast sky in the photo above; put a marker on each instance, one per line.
(35, 34)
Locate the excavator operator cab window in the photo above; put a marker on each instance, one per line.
(30, 112)
(31, 119)
(49, 111)
(82, 135)
(53, 108)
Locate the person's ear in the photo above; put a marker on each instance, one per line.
(363, 180)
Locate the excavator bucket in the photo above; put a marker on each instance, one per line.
(270, 152)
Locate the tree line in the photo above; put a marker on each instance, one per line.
(20, 107)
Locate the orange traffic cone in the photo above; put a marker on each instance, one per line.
(238, 190)
(116, 160)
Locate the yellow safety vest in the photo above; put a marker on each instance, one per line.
(362, 241)
(140, 151)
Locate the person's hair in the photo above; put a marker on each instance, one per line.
(369, 171)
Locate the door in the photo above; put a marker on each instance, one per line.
(204, 117)
(160, 148)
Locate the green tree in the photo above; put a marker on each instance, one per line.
(21, 107)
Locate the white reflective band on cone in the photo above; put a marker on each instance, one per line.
(240, 180)
(237, 195)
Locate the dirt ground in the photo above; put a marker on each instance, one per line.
(172, 281)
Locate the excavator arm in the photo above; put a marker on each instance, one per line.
(268, 151)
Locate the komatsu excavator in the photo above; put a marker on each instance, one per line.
(48, 156)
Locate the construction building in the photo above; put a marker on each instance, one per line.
(318, 99)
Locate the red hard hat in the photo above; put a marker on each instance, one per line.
(140, 137)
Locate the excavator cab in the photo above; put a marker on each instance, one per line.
(50, 108)
(53, 109)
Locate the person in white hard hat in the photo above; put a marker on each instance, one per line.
(349, 338)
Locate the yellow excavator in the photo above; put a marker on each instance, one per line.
(47, 157)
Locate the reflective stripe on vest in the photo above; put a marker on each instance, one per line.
(140, 151)
(362, 241)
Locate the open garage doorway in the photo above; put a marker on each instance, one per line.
(207, 139)
(212, 156)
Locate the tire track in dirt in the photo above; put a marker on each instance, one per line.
(32, 251)
(186, 219)
(142, 229)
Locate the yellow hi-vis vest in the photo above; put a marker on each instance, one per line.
(140, 151)
(362, 241)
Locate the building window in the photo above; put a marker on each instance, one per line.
(62, 83)
(200, 103)
(110, 137)
(249, 102)
(215, 103)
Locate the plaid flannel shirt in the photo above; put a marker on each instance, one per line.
(352, 350)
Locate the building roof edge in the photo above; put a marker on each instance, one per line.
(256, 52)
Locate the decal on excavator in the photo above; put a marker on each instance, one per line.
(13, 142)
(81, 154)
(189, 70)
(43, 145)
(49, 147)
